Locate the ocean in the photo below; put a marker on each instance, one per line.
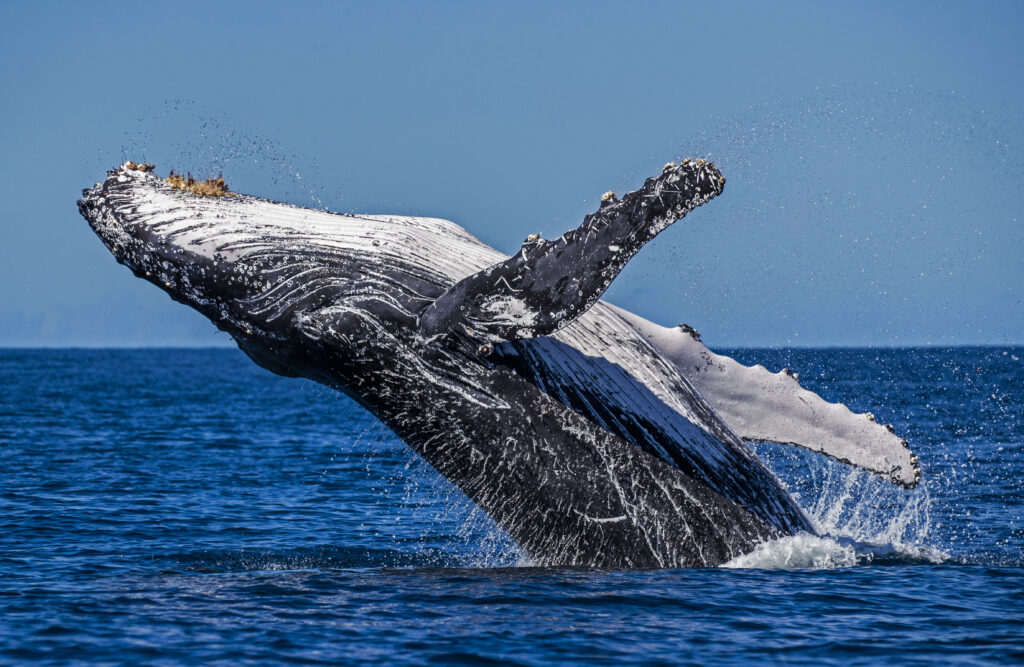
(169, 506)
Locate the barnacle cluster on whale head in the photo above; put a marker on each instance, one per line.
(211, 187)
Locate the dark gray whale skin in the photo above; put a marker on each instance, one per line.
(461, 371)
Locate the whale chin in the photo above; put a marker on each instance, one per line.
(590, 435)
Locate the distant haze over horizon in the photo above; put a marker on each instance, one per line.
(872, 152)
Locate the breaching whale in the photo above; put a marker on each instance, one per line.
(591, 436)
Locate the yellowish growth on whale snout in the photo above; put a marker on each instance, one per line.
(211, 187)
(137, 166)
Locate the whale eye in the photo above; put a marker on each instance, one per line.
(484, 350)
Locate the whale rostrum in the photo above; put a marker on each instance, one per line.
(589, 435)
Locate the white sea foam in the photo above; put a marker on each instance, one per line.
(807, 551)
(859, 519)
(797, 551)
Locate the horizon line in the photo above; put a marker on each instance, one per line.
(913, 346)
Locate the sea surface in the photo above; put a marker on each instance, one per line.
(186, 507)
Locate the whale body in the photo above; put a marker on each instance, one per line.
(591, 436)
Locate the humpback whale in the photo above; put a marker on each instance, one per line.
(590, 435)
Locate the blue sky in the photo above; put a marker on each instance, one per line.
(872, 150)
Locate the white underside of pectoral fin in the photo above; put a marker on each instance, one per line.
(759, 405)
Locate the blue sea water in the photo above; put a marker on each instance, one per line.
(187, 507)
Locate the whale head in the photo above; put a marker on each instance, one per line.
(256, 268)
(198, 245)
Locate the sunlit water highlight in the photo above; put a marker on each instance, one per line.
(188, 507)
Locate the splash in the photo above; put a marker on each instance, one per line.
(181, 132)
(814, 552)
(413, 493)
(860, 519)
(473, 539)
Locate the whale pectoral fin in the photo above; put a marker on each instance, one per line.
(548, 284)
(772, 407)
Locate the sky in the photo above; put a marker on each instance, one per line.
(872, 150)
